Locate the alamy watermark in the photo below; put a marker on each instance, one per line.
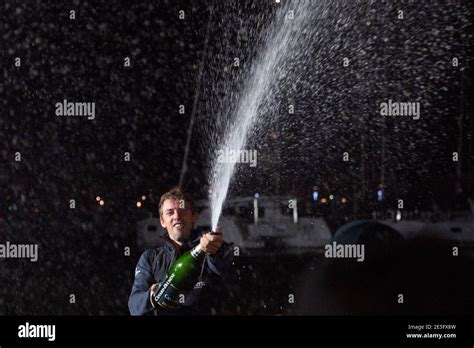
(19, 251)
(28, 330)
(82, 109)
(391, 108)
(237, 156)
(345, 251)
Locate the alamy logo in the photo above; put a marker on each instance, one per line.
(19, 251)
(82, 109)
(37, 331)
(391, 108)
(345, 251)
(237, 156)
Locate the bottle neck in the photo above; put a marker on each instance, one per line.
(197, 253)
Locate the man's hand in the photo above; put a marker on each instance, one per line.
(210, 243)
(153, 290)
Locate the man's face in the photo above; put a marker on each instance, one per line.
(178, 219)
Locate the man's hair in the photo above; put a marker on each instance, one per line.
(176, 193)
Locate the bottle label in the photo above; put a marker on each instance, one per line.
(168, 296)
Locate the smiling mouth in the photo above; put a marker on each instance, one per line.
(179, 225)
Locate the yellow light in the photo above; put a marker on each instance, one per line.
(143, 197)
(139, 204)
(343, 200)
(101, 202)
(324, 200)
(97, 198)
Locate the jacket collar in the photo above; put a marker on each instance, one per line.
(193, 240)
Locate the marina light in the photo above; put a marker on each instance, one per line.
(398, 217)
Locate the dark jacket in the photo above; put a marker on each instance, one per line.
(153, 266)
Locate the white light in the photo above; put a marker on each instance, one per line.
(139, 204)
(97, 198)
(399, 215)
(331, 197)
(101, 202)
(277, 1)
(143, 197)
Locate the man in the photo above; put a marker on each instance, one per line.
(178, 215)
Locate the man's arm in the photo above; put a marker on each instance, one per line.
(220, 253)
(221, 262)
(139, 301)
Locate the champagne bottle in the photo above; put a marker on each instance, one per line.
(180, 279)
